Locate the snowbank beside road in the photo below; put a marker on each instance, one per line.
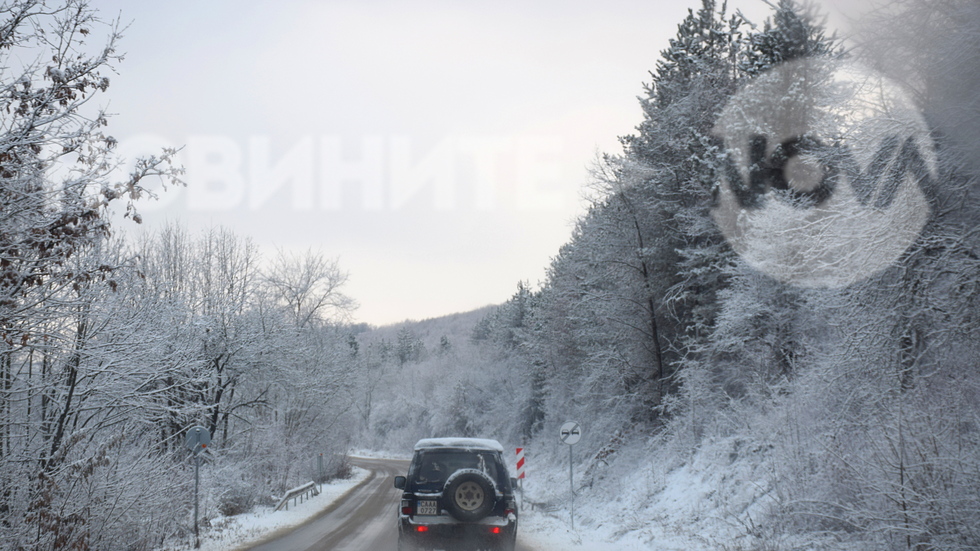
(242, 531)
(545, 531)
(648, 497)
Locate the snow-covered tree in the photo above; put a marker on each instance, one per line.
(56, 186)
(309, 286)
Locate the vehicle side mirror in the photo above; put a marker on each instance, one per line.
(513, 483)
(400, 482)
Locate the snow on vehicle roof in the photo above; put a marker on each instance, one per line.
(465, 443)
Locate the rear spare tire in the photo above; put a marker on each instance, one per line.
(469, 495)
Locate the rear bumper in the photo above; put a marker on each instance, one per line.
(425, 531)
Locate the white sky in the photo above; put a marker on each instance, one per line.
(507, 103)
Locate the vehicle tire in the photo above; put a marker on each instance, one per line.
(469, 495)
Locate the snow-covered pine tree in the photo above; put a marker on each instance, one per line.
(794, 31)
(760, 328)
(663, 185)
(619, 298)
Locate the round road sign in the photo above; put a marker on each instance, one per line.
(198, 438)
(570, 433)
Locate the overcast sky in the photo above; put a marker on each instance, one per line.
(438, 148)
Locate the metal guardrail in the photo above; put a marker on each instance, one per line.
(298, 493)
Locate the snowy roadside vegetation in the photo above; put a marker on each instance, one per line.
(111, 349)
(721, 408)
(248, 529)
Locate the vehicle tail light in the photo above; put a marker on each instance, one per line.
(510, 507)
(407, 507)
(495, 530)
(421, 528)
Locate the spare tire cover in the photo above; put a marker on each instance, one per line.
(469, 495)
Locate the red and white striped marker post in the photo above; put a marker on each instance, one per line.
(520, 473)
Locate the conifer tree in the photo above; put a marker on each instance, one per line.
(619, 298)
(665, 179)
(759, 334)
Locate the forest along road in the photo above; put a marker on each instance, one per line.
(363, 520)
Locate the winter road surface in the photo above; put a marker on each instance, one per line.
(363, 520)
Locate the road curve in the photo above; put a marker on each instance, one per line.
(363, 520)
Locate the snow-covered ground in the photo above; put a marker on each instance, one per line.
(549, 531)
(242, 531)
(546, 531)
(712, 500)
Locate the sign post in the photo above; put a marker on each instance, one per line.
(570, 433)
(319, 469)
(520, 473)
(198, 438)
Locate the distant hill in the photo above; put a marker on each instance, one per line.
(457, 328)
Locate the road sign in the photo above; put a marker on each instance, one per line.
(198, 438)
(570, 433)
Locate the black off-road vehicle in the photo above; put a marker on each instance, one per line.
(457, 496)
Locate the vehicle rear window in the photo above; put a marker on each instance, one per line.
(432, 468)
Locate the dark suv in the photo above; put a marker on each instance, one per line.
(458, 495)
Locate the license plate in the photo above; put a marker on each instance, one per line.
(427, 507)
